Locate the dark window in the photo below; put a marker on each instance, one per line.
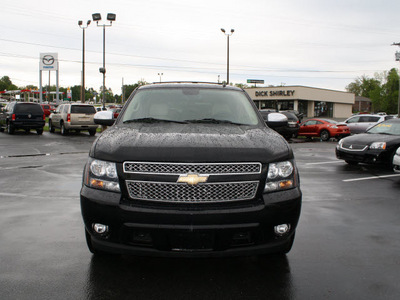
(28, 108)
(82, 109)
(323, 109)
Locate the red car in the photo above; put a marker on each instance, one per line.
(48, 109)
(323, 128)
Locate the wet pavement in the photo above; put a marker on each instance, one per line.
(347, 243)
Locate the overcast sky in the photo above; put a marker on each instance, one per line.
(316, 43)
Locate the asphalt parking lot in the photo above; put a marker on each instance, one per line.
(347, 243)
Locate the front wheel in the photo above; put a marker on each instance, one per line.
(39, 131)
(325, 135)
(92, 132)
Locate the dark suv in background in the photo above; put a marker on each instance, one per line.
(22, 115)
(288, 130)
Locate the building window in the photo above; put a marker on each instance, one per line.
(323, 109)
(303, 107)
(285, 105)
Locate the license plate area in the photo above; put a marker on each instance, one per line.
(191, 241)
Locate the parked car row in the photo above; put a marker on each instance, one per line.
(29, 115)
(379, 144)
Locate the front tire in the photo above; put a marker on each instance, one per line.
(39, 131)
(92, 132)
(325, 135)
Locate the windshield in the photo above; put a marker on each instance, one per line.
(191, 105)
(389, 127)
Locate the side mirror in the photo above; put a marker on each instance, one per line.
(105, 118)
(275, 120)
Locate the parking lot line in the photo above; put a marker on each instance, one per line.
(372, 177)
(325, 162)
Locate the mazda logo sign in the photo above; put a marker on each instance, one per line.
(48, 60)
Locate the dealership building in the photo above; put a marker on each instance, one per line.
(311, 102)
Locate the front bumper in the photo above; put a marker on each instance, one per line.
(365, 156)
(182, 232)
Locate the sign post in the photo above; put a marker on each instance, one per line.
(48, 62)
(255, 81)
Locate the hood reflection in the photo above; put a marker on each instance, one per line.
(130, 277)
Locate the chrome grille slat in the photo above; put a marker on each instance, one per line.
(186, 168)
(200, 193)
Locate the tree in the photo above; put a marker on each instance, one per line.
(6, 84)
(363, 86)
(390, 92)
(131, 87)
(383, 90)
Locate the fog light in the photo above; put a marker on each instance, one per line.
(282, 229)
(100, 228)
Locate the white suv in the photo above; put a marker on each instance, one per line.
(76, 117)
(360, 123)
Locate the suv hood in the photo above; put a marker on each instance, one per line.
(190, 143)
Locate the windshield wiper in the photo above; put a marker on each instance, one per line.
(213, 121)
(152, 120)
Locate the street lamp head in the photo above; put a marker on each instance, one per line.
(223, 30)
(88, 22)
(111, 17)
(96, 17)
(80, 22)
(232, 30)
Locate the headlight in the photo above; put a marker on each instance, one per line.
(102, 175)
(378, 145)
(281, 176)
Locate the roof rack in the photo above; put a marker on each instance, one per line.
(200, 82)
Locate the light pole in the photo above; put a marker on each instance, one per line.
(110, 17)
(83, 59)
(398, 59)
(227, 59)
(160, 74)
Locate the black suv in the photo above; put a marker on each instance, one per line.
(22, 115)
(190, 170)
(288, 130)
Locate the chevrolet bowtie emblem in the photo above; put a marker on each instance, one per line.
(192, 179)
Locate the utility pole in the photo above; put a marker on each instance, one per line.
(398, 59)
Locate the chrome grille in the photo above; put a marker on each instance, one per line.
(184, 193)
(186, 168)
(354, 147)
